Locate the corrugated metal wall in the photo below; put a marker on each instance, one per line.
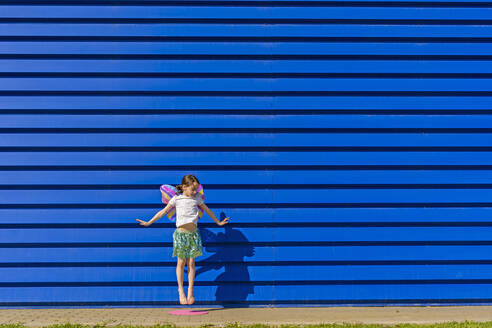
(348, 141)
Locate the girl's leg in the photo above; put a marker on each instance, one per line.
(191, 279)
(179, 274)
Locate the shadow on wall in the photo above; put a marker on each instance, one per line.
(228, 294)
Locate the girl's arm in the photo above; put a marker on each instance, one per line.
(161, 213)
(157, 216)
(212, 215)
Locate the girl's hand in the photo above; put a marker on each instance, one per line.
(144, 223)
(224, 221)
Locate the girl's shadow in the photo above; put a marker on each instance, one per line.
(234, 284)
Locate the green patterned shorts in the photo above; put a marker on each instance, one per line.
(187, 244)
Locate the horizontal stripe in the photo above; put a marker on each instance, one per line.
(237, 161)
(252, 275)
(132, 93)
(267, 216)
(234, 293)
(246, 119)
(275, 67)
(250, 244)
(291, 112)
(245, 149)
(266, 21)
(240, 32)
(233, 235)
(445, 4)
(250, 283)
(169, 104)
(277, 303)
(337, 142)
(251, 75)
(273, 4)
(263, 197)
(76, 38)
(258, 272)
(232, 206)
(262, 224)
(249, 186)
(169, 130)
(277, 179)
(239, 86)
(192, 139)
(239, 167)
(41, 56)
(253, 205)
(477, 265)
(234, 254)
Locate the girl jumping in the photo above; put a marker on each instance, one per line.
(187, 242)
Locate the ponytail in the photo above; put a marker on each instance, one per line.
(180, 189)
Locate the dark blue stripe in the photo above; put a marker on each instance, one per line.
(200, 263)
(252, 205)
(432, 4)
(254, 244)
(265, 21)
(261, 224)
(129, 93)
(246, 75)
(236, 130)
(22, 111)
(241, 167)
(245, 148)
(339, 302)
(246, 57)
(250, 283)
(98, 38)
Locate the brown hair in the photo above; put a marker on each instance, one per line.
(187, 180)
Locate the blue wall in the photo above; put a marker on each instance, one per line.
(348, 142)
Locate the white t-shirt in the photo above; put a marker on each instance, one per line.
(186, 208)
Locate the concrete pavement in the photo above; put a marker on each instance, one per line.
(220, 317)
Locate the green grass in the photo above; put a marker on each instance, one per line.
(453, 324)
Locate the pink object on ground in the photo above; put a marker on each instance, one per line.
(187, 312)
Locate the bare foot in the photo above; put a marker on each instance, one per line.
(182, 298)
(191, 299)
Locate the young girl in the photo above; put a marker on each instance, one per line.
(187, 242)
